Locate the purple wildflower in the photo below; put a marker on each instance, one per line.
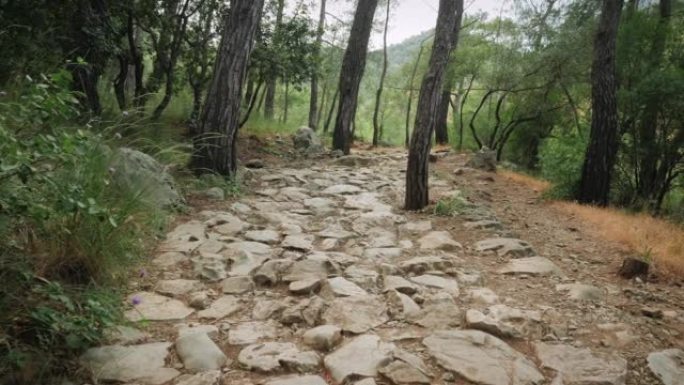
(136, 300)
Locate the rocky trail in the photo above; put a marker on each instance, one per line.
(317, 276)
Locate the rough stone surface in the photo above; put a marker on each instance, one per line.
(211, 377)
(580, 366)
(668, 366)
(143, 363)
(344, 288)
(222, 307)
(356, 314)
(250, 332)
(531, 266)
(297, 380)
(323, 338)
(360, 357)
(581, 292)
(436, 282)
(237, 285)
(505, 247)
(155, 307)
(481, 358)
(438, 240)
(199, 353)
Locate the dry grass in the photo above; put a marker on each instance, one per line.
(641, 233)
(538, 185)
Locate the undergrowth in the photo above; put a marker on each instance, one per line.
(68, 233)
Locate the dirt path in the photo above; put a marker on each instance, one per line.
(318, 277)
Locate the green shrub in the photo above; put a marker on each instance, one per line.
(451, 206)
(68, 236)
(561, 162)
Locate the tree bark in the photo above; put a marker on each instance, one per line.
(602, 149)
(215, 146)
(353, 66)
(410, 96)
(378, 95)
(428, 104)
(269, 105)
(441, 126)
(313, 100)
(330, 112)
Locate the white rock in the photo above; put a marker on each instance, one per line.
(505, 246)
(531, 266)
(199, 353)
(211, 377)
(580, 366)
(436, 282)
(155, 307)
(323, 338)
(141, 363)
(356, 314)
(237, 285)
(342, 288)
(264, 236)
(439, 240)
(297, 380)
(668, 365)
(221, 308)
(360, 357)
(250, 332)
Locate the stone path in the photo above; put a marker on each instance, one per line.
(319, 278)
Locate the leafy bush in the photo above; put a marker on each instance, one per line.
(561, 162)
(451, 206)
(66, 233)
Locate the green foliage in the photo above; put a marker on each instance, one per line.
(451, 206)
(561, 163)
(67, 232)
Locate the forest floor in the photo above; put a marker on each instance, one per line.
(315, 275)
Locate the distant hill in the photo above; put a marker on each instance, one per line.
(404, 52)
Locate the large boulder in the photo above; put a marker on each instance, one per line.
(143, 174)
(485, 159)
(306, 140)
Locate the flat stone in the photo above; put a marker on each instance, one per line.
(400, 284)
(320, 206)
(483, 295)
(417, 227)
(360, 357)
(189, 231)
(176, 287)
(436, 282)
(668, 366)
(581, 292)
(186, 329)
(125, 335)
(271, 272)
(305, 286)
(155, 307)
(483, 224)
(141, 363)
(211, 377)
(341, 189)
(244, 263)
(303, 242)
(267, 309)
(199, 353)
(379, 237)
(505, 247)
(343, 288)
(406, 368)
(210, 267)
(237, 285)
(356, 314)
(420, 265)
(401, 306)
(539, 266)
(250, 332)
(439, 240)
(228, 224)
(323, 338)
(309, 269)
(269, 237)
(300, 362)
(335, 231)
(439, 311)
(169, 258)
(199, 300)
(264, 357)
(366, 201)
(364, 277)
(297, 380)
(382, 252)
(307, 311)
(256, 248)
(580, 366)
(221, 308)
(481, 358)
(505, 322)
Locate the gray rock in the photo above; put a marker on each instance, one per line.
(505, 322)
(485, 160)
(505, 247)
(481, 358)
(246, 333)
(199, 353)
(142, 363)
(265, 357)
(483, 295)
(436, 282)
(382, 253)
(307, 311)
(244, 262)
(221, 308)
(176, 287)
(140, 172)
(264, 310)
(360, 357)
(356, 314)
(270, 237)
(323, 338)
(439, 311)
(155, 307)
(255, 163)
(417, 227)
(227, 224)
(341, 189)
(341, 287)
(297, 380)
(438, 240)
(581, 292)
(668, 366)
(580, 366)
(215, 193)
(531, 266)
(199, 300)
(400, 284)
(237, 285)
(211, 267)
(125, 335)
(306, 140)
(186, 329)
(270, 272)
(309, 269)
(406, 368)
(420, 265)
(302, 242)
(401, 306)
(211, 377)
(305, 286)
(300, 362)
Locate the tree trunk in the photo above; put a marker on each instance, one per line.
(269, 106)
(441, 126)
(286, 102)
(120, 82)
(215, 145)
(330, 112)
(378, 95)
(313, 100)
(602, 149)
(428, 105)
(353, 65)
